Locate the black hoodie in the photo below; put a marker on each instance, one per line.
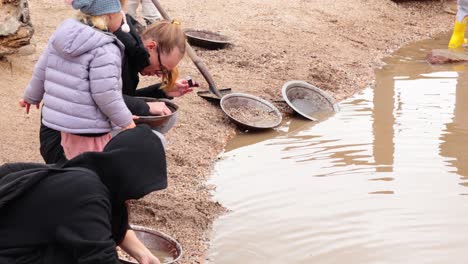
(76, 213)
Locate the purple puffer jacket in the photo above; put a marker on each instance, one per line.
(79, 79)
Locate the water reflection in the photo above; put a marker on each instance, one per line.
(454, 139)
(289, 127)
(383, 122)
(382, 181)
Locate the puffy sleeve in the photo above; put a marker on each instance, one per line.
(106, 85)
(87, 233)
(35, 89)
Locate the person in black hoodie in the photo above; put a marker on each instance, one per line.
(76, 213)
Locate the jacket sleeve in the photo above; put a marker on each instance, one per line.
(35, 89)
(87, 234)
(136, 105)
(106, 85)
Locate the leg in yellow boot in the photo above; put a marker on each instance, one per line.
(458, 35)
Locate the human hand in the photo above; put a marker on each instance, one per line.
(181, 87)
(149, 259)
(132, 124)
(23, 104)
(159, 108)
(135, 248)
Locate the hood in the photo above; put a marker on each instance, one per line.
(74, 38)
(135, 50)
(132, 164)
(18, 178)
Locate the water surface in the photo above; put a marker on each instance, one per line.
(383, 181)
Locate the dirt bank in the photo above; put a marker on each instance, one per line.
(334, 44)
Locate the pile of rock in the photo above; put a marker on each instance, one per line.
(16, 29)
(445, 56)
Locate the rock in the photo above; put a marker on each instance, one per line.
(27, 50)
(444, 56)
(9, 26)
(16, 29)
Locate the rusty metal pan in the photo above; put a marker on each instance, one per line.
(207, 39)
(157, 241)
(250, 112)
(159, 123)
(308, 100)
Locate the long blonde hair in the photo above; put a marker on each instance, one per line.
(168, 35)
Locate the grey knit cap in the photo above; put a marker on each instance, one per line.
(97, 7)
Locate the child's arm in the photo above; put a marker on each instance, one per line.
(106, 87)
(35, 89)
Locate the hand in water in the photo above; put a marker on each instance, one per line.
(159, 108)
(149, 259)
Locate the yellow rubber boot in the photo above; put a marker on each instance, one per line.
(458, 35)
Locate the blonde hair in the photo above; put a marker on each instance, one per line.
(168, 35)
(100, 22)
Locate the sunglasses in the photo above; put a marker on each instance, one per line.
(163, 70)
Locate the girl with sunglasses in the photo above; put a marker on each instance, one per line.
(155, 52)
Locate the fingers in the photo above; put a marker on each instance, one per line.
(27, 105)
(159, 108)
(166, 110)
(188, 90)
(134, 117)
(131, 125)
(183, 86)
(194, 84)
(189, 82)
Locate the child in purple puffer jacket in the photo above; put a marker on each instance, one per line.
(78, 78)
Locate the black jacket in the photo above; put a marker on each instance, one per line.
(136, 59)
(76, 213)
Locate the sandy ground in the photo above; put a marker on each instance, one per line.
(335, 45)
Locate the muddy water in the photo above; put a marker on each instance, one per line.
(163, 256)
(383, 181)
